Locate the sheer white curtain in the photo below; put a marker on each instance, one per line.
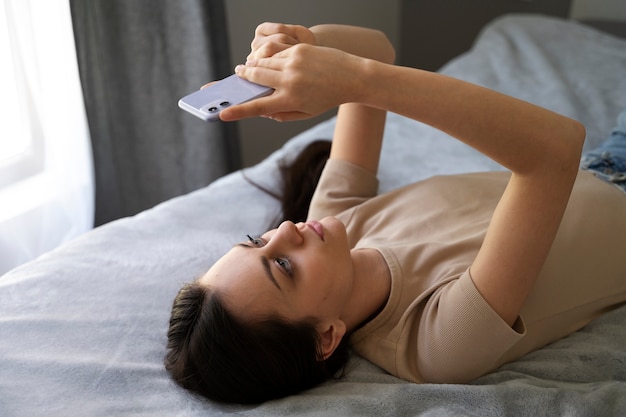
(46, 180)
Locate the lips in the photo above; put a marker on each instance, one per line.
(317, 228)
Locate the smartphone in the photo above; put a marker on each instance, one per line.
(208, 102)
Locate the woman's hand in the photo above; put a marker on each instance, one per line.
(311, 70)
(271, 38)
(308, 80)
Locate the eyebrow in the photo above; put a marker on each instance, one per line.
(266, 266)
(268, 272)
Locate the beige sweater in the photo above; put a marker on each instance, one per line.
(436, 327)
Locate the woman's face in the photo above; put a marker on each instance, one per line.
(298, 271)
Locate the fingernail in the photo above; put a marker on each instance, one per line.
(239, 68)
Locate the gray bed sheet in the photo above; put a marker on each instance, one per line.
(82, 328)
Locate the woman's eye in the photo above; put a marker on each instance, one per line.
(256, 240)
(285, 265)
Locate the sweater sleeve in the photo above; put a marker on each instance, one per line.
(461, 337)
(342, 186)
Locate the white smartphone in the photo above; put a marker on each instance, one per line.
(210, 101)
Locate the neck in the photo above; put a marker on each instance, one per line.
(371, 288)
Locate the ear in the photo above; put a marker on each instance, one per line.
(330, 337)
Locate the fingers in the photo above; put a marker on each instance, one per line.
(265, 73)
(269, 46)
(255, 108)
(290, 116)
(269, 28)
(207, 85)
(274, 63)
(271, 38)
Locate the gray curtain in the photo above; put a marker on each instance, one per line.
(136, 59)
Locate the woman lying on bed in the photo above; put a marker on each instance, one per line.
(440, 281)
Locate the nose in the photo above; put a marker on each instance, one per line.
(288, 233)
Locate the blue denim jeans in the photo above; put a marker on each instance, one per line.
(608, 161)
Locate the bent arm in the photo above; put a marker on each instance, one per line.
(359, 128)
(541, 148)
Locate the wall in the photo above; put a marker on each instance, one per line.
(259, 137)
(598, 9)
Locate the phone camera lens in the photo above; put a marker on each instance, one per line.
(225, 103)
(212, 109)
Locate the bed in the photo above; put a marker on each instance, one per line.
(82, 328)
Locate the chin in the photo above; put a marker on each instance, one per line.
(333, 223)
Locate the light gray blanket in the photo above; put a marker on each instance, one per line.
(82, 329)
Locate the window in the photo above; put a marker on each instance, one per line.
(46, 186)
(21, 155)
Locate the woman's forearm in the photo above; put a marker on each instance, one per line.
(541, 148)
(363, 42)
(517, 134)
(359, 129)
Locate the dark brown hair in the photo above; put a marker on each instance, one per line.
(300, 177)
(213, 353)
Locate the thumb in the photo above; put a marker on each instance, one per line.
(254, 108)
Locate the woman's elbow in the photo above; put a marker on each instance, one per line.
(567, 150)
(579, 132)
(384, 50)
(575, 135)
